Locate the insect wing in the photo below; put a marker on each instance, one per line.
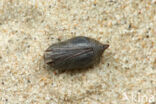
(71, 57)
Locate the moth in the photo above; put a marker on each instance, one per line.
(75, 53)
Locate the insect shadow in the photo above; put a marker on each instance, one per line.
(71, 72)
(106, 59)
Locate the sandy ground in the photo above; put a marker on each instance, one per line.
(126, 74)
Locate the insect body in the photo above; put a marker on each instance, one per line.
(76, 53)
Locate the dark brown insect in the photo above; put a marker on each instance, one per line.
(76, 53)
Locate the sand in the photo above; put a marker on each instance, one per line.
(125, 75)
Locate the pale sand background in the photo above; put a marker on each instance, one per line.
(127, 69)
